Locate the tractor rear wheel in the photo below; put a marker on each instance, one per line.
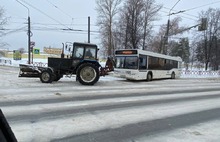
(87, 74)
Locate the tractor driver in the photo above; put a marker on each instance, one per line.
(89, 54)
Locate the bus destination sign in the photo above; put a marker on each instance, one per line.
(126, 52)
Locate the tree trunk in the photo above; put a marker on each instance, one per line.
(206, 66)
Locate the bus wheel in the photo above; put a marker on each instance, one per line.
(149, 77)
(173, 75)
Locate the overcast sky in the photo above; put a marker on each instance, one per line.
(48, 17)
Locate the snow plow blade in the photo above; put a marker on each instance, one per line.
(27, 70)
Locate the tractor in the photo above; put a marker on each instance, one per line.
(82, 62)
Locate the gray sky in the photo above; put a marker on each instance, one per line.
(47, 16)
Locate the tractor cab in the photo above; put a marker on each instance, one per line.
(85, 51)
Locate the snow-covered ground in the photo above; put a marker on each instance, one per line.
(113, 110)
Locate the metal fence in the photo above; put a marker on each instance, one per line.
(40, 64)
(198, 73)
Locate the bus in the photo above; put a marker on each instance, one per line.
(139, 64)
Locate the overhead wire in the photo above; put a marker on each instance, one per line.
(44, 14)
(182, 11)
(73, 30)
(53, 27)
(202, 6)
(66, 13)
(64, 25)
(68, 27)
(65, 31)
(13, 31)
(53, 24)
(174, 6)
(61, 11)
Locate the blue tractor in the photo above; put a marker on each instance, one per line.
(81, 62)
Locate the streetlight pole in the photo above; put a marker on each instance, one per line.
(165, 46)
(29, 32)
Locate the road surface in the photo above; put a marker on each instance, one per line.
(113, 110)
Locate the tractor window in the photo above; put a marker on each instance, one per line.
(78, 52)
(90, 53)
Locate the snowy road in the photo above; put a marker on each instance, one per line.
(113, 110)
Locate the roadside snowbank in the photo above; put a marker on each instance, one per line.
(195, 73)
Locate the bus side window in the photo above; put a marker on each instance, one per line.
(167, 65)
(142, 62)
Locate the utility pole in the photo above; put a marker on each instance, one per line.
(29, 41)
(29, 32)
(166, 37)
(88, 29)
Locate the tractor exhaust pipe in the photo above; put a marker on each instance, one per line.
(62, 54)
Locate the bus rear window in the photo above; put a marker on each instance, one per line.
(127, 62)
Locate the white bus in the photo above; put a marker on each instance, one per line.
(138, 64)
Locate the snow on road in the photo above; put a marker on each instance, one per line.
(111, 110)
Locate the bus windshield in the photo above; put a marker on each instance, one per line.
(127, 62)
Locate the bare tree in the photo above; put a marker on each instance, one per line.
(107, 11)
(3, 21)
(21, 50)
(175, 29)
(208, 51)
(149, 15)
(135, 24)
(131, 22)
(193, 53)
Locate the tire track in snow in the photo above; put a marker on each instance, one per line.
(100, 121)
(74, 108)
(65, 96)
(147, 128)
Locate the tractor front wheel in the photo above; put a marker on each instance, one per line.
(87, 74)
(46, 76)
